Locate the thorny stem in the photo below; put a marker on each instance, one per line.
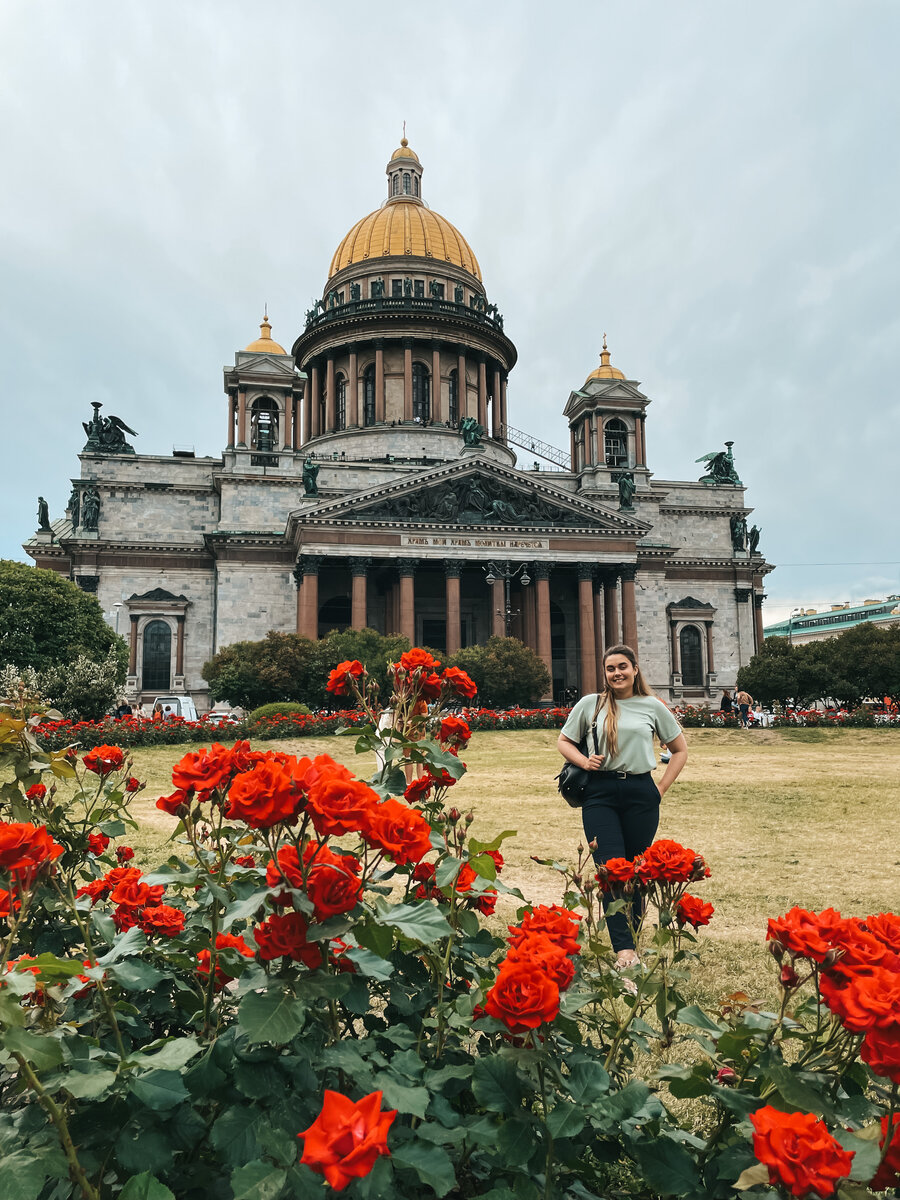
(108, 1007)
(58, 1117)
(548, 1160)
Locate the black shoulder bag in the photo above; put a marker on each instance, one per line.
(573, 781)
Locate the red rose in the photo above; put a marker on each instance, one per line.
(339, 805)
(264, 796)
(884, 926)
(523, 997)
(125, 918)
(804, 933)
(340, 681)
(454, 730)
(97, 843)
(224, 941)
(417, 791)
(670, 862)
(37, 791)
(124, 853)
(97, 889)
(615, 873)
(864, 1000)
(800, 1153)
(692, 910)
(333, 887)
(284, 936)
(117, 875)
(859, 947)
(131, 893)
(559, 924)
(401, 832)
(175, 805)
(881, 1050)
(346, 1138)
(541, 952)
(8, 901)
(486, 902)
(103, 760)
(164, 919)
(26, 849)
(429, 688)
(203, 770)
(418, 660)
(458, 682)
(244, 860)
(287, 870)
(888, 1174)
(132, 784)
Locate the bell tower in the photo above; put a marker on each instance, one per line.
(263, 391)
(607, 426)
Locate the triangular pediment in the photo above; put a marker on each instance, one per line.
(264, 364)
(603, 391)
(480, 494)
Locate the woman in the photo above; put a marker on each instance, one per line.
(621, 811)
(726, 705)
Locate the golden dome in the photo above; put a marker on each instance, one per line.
(404, 227)
(403, 151)
(605, 370)
(265, 344)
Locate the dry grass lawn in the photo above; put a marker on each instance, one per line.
(783, 817)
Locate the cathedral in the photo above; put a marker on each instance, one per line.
(370, 478)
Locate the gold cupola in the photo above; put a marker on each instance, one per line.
(605, 370)
(265, 343)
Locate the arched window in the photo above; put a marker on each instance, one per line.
(615, 443)
(421, 396)
(369, 395)
(340, 409)
(156, 673)
(453, 397)
(395, 184)
(264, 425)
(406, 183)
(691, 656)
(416, 184)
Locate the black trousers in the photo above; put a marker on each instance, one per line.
(623, 816)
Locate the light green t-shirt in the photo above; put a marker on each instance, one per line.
(639, 718)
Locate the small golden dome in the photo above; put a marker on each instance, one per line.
(265, 344)
(605, 370)
(403, 151)
(404, 227)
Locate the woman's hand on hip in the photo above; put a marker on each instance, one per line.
(594, 762)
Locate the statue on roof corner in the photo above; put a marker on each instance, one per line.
(625, 480)
(470, 431)
(106, 435)
(310, 476)
(720, 467)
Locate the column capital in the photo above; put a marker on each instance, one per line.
(307, 564)
(609, 576)
(360, 566)
(585, 571)
(453, 567)
(542, 570)
(758, 598)
(742, 594)
(627, 574)
(408, 343)
(408, 566)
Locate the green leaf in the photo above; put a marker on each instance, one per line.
(697, 1019)
(135, 975)
(668, 1167)
(411, 1100)
(242, 909)
(376, 938)
(89, 1085)
(587, 1082)
(41, 1051)
(171, 1055)
(483, 865)
(476, 847)
(421, 922)
(160, 1090)
(23, 1176)
(565, 1120)
(53, 968)
(866, 1152)
(271, 1016)
(258, 1181)
(131, 942)
(371, 965)
(145, 1187)
(797, 1093)
(447, 871)
(431, 1164)
(234, 1134)
(495, 1085)
(517, 1142)
(112, 828)
(11, 1012)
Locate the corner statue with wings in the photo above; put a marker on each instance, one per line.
(106, 435)
(720, 467)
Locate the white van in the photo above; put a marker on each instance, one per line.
(175, 706)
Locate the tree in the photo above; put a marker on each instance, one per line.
(47, 621)
(771, 675)
(83, 690)
(506, 671)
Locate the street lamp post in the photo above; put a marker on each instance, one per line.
(506, 572)
(794, 613)
(117, 609)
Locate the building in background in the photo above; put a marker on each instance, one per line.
(810, 625)
(369, 478)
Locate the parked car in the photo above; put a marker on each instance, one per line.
(175, 706)
(221, 717)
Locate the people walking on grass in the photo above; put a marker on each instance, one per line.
(726, 704)
(621, 811)
(744, 701)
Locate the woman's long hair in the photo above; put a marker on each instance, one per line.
(608, 699)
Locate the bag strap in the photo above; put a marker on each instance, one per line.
(594, 722)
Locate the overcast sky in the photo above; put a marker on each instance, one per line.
(714, 185)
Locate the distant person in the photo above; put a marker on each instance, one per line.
(744, 701)
(727, 705)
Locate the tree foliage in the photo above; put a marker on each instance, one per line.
(861, 663)
(506, 671)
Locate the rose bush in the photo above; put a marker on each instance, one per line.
(305, 997)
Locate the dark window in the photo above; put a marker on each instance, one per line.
(691, 656)
(334, 614)
(340, 411)
(397, 288)
(369, 396)
(395, 185)
(416, 184)
(615, 443)
(453, 398)
(438, 291)
(421, 397)
(156, 674)
(406, 183)
(419, 289)
(264, 425)
(434, 634)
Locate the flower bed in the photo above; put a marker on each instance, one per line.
(304, 998)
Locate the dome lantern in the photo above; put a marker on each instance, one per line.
(265, 343)
(404, 172)
(605, 370)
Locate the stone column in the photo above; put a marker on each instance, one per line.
(358, 613)
(573, 448)
(306, 574)
(496, 419)
(503, 419)
(586, 628)
(710, 658)
(407, 381)
(330, 422)
(643, 441)
(314, 379)
(498, 608)
(242, 418)
(610, 610)
(356, 417)
(601, 445)
(676, 651)
(542, 590)
(530, 615)
(437, 402)
(453, 570)
(307, 409)
(598, 629)
(379, 382)
(296, 403)
(462, 391)
(407, 568)
(287, 440)
(629, 611)
(758, 598)
(179, 644)
(229, 441)
(638, 442)
(482, 393)
(394, 607)
(132, 646)
(586, 433)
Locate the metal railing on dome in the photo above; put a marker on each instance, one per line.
(560, 458)
(488, 315)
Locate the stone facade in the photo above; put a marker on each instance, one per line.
(403, 523)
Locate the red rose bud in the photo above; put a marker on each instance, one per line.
(789, 977)
(776, 950)
(453, 815)
(124, 853)
(470, 817)
(725, 1076)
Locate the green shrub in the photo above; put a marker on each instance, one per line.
(277, 709)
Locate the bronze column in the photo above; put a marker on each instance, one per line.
(629, 611)
(453, 570)
(358, 582)
(586, 628)
(307, 570)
